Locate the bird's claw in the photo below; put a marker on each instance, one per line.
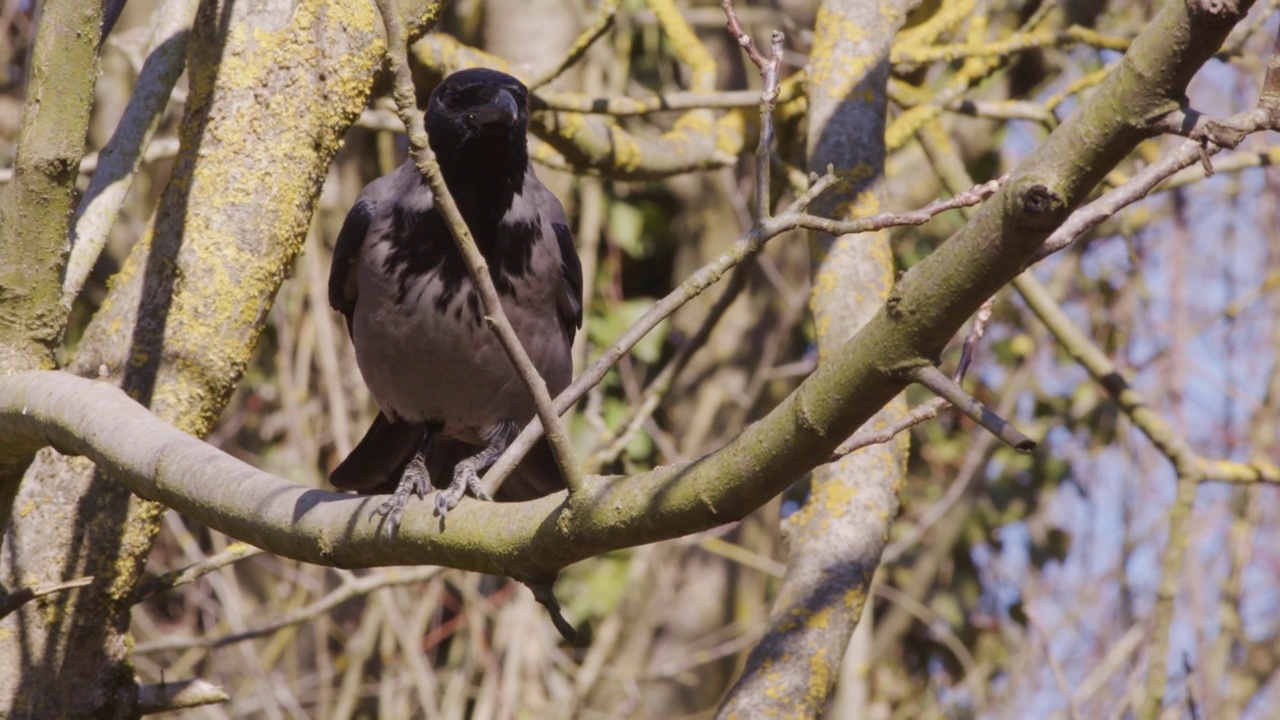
(415, 481)
(464, 479)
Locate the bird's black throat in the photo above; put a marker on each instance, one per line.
(484, 176)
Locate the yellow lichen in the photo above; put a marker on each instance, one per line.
(836, 496)
(832, 69)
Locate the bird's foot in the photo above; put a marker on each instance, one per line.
(414, 481)
(464, 478)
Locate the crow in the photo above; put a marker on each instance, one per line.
(449, 399)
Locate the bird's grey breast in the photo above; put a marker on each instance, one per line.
(421, 340)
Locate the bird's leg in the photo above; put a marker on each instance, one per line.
(415, 481)
(466, 474)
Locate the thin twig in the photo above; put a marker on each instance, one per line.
(1055, 667)
(940, 629)
(352, 587)
(1191, 469)
(915, 608)
(968, 198)
(741, 36)
(662, 384)
(424, 158)
(934, 379)
(542, 592)
(1105, 671)
(159, 149)
(602, 22)
(234, 553)
(1132, 403)
(980, 320)
(975, 460)
(16, 599)
(1191, 698)
(791, 218)
(928, 410)
(1171, 565)
(688, 661)
(769, 68)
(167, 696)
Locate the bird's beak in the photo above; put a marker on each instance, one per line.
(500, 113)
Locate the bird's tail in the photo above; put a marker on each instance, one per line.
(377, 462)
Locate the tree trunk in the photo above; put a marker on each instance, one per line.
(835, 540)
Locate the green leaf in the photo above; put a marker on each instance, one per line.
(605, 329)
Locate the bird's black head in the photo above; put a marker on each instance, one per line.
(479, 117)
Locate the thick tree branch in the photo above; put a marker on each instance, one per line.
(1208, 139)
(925, 411)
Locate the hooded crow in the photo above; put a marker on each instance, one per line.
(449, 399)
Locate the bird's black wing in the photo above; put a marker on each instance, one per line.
(570, 304)
(342, 286)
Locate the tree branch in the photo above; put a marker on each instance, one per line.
(834, 545)
(234, 553)
(934, 379)
(352, 587)
(1189, 466)
(1166, 439)
(182, 317)
(10, 601)
(169, 696)
(925, 411)
(534, 539)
